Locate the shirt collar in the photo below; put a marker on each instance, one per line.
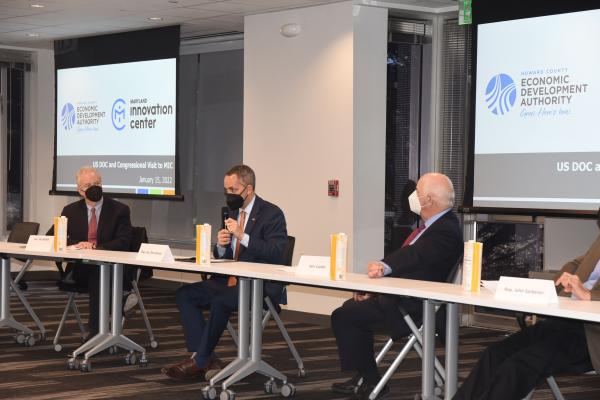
(248, 208)
(98, 206)
(434, 218)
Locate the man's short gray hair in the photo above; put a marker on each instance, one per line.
(86, 169)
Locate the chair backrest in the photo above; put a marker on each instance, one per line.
(22, 230)
(454, 272)
(288, 252)
(138, 236)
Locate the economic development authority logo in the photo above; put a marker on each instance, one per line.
(500, 94)
(118, 114)
(67, 116)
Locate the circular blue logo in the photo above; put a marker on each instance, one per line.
(67, 116)
(118, 114)
(500, 94)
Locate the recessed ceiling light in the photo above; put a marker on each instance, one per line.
(173, 1)
(37, 6)
(155, 18)
(32, 34)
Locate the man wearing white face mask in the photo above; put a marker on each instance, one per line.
(428, 253)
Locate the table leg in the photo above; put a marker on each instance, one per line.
(255, 364)
(116, 337)
(103, 313)
(243, 333)
(427, 382)
(451, 381)
(6, 319)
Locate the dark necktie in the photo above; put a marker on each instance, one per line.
(413, 235)
(93, 227)
(232, 280)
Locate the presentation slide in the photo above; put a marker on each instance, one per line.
(537, 115)
(120, 119)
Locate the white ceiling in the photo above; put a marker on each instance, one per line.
(24, 25)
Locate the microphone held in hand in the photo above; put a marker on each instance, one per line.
(224, 216)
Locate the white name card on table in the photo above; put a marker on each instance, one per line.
(155, 252)
(40, 243)
(314, 266)
(525, 290)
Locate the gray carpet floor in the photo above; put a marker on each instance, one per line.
(40, 373)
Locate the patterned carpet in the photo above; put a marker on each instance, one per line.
(39, 373)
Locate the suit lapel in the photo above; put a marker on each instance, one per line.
(84, 218)
(101, 221)
(589, 261)
(251, 219)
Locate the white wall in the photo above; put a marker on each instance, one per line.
(314, 109)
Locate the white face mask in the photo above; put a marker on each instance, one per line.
(415, 204)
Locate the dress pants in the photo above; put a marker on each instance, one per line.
(354, 325)
(511, 368)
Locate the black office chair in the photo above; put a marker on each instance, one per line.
(415, 340)
(273, 310)
(20, 234)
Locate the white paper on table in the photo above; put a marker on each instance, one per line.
(155, 253)
(40, 243)
(314, 266)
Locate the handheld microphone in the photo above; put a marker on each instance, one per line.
(224, 216)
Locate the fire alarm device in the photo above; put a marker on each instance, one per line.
(333, 188)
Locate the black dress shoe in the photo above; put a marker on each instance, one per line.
(365, 390)
(346, 387)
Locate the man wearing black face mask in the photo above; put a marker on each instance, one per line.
(254, 232)
(94, 222)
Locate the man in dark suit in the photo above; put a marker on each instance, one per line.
(429, 253)
(254, 232)
(94, 222)
(513, 367)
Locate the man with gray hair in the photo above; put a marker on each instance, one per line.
(429, 253)
(94, 222)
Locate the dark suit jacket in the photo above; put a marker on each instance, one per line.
(430, 258)
(114, 225)
(583, 266)
(268, 238)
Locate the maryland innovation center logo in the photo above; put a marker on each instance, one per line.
(67, 116)
(500, 94)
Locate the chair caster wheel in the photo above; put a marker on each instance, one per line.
(288, 390)
(143, 361)
(301, 373)
(209, 393)
(112, 350)
(154, 344)
(86, 366)
(72, 364)
(58, 348)
(20, 338)
(227, 395)
(270, 387)
(130, 359)
(29, 341)
(438, 391)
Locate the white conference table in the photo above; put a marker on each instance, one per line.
(254, 275)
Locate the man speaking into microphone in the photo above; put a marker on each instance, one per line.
(254, 230)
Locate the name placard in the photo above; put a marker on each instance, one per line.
(155, 252)
(525, 290)
(314, 266)
(40, 243)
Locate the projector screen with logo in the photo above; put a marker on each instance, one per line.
(116, 110)
(537, 117)
(120, 119)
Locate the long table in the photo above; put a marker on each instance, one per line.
(253, 275)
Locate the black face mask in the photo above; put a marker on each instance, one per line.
(235, 201)
(94, 193)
